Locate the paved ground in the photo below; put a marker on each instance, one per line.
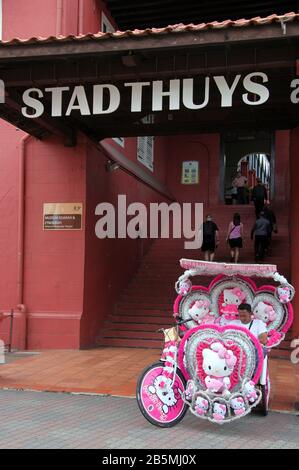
(32, 420)
(114, 371)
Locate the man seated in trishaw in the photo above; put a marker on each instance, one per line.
(214, 361)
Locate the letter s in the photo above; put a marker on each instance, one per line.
(33, 103)
(295, 93)
(255, 88)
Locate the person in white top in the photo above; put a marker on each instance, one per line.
(240, 182)
(255, 326)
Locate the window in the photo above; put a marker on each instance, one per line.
(145, 151)
(106, 26)
(145, 146)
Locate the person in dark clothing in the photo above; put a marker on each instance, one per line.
(269, 214)
(210, 238)
(259, 196)
(260, 231)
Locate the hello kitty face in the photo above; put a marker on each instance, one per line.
(219, 409)
(190, 389)
(201, 405)
(164, 393)
(185, 287)
(233, 296)
(284, 294)
(199, 310)
(249, 387)
(237, 403)
(218, 361)
(264, 312)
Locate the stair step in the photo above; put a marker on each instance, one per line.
(133, 334)
(142, 326)
(135, 309)
(130, 343)
(158, 320)
(145, 306)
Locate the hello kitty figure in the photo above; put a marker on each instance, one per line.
(201, 406)
(190, 390)
(264, 312)
(185, 287)
(238, 405)
(218, 364)
(284, 294)
(200, 312)
(250, 391)
(232, 299)
(219, 411)
(162, 388)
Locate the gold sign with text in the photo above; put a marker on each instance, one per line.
(63, 216)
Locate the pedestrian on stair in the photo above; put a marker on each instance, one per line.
(235, 237)
(261, 232)
(270, 215)
(210, 238)
(239, 183)
(259, 197)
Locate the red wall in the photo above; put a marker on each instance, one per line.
(205, 149)
(110, 263)
(27, 19)
(20, 17)
(9, 196)
(282, 169)
(54, 260)
(92, 14)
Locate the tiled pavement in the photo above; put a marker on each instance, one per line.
(114, 371)
(31, 420)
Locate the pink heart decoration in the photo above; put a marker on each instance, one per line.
(227, 336)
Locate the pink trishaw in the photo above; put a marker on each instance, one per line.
(210, 363)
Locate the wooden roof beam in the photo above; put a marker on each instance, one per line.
(45, 123)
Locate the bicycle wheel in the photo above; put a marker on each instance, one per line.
(162, 407)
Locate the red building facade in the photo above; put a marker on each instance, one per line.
(64, 284)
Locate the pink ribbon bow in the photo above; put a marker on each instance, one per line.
(236, 291)
(226, 354)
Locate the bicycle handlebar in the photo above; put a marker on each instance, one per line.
(181, 322)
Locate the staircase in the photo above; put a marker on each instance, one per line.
(146, 304)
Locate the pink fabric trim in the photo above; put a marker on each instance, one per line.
(176, 305)
(212, 269)
(221, 329)
(289, 306)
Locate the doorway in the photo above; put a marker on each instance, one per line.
(251, 155)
